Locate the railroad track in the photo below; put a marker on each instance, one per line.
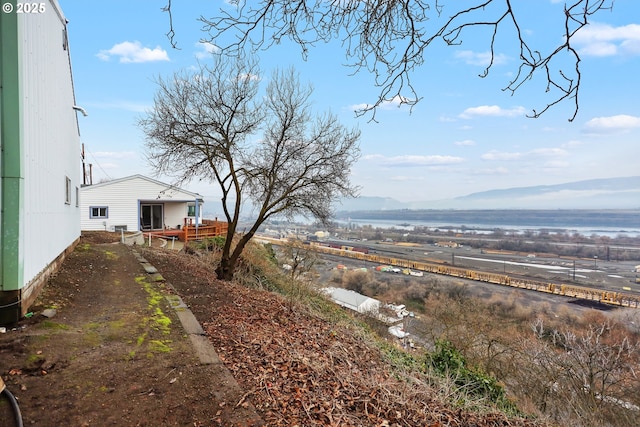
(592, 294)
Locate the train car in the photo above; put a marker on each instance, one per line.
(392, 264)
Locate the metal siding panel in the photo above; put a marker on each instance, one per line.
(51, 140)
(12, 247)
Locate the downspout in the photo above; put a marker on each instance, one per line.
(12, 185)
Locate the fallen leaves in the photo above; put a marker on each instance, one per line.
(302, 370)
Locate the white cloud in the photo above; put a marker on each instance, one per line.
(359, 107)
(572, 143)
(248, 76)
(612, 124)
(538, 152)
(205, 50)
(548, 152)
(465, 143)
(492, 111)
(130, 52)
(119, 155)
(494, 171)
(395, 102)
(404, 178)
(482, 59)
(605, 40)
(497, 155)
(413, 160)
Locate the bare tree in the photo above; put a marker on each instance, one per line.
(301, 258)
(264, 148)
(589, 376)
(390, 38)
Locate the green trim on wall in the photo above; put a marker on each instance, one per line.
(12, 186)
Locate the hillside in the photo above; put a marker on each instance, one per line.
(115, 353)
(299, 368)
(609, 193)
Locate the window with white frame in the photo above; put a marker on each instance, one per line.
(67, 189)
(191, 210)
(98, 212)
(77, 197)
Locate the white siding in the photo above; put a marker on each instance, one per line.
(51, 142)
(174, 214)
(123, 197)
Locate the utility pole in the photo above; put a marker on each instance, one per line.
(84, 168)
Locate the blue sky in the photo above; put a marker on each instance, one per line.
(466, 134)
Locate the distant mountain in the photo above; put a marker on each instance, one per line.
(371, 204)
(608, 193)
(611, 193)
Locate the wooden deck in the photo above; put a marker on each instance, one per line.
(186, 233)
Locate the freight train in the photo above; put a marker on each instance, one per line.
(341, 247)
(604, 296)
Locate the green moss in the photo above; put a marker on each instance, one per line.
(111, 255)
(92, 326)
(159, 346)
(92, 338)
(157, 320)
(35, 359)
(54, 325)
(162, 321)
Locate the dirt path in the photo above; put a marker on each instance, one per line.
(113, 354)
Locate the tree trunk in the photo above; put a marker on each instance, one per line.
(226, 269)
(228, 261)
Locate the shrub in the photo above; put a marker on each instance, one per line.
(448, 361)
(355, 280)
(212, 243)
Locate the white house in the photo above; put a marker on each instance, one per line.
(40, 168)
(137, 203)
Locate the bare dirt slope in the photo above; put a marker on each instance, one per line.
(114, 354)
(110, 356)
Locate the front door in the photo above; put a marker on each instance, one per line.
(151, 217)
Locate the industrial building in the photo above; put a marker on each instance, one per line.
(40, 166)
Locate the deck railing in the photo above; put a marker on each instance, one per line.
(208, 228)
(189, 232)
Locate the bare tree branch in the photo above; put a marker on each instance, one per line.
(390, 38)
